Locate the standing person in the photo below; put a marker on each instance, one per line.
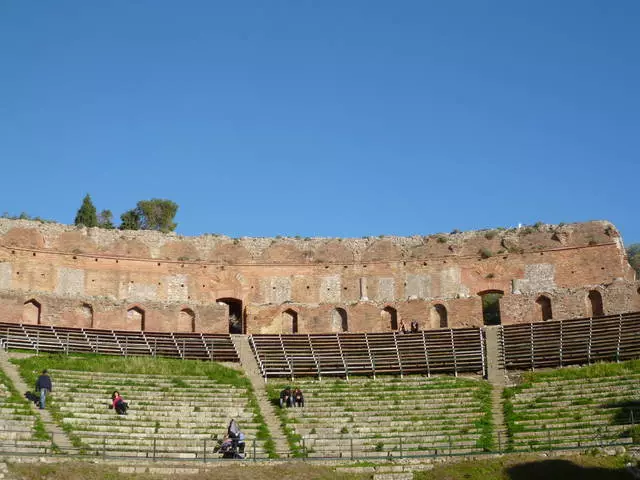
(43, 385)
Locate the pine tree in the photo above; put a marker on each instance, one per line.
(87, 214)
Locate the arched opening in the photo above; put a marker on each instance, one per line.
(595, 300)
(442, 319)
(289, 321)
(236, 319)
(491, 306)
(339, 320)
(186, 321)
(86, 314)
(31, 312)
(544, 303)
(389, 318)
(135, 318)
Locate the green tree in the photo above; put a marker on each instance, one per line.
(130, 220)
(157, 214)
(105, 220)
(87, 215)
(633, 252)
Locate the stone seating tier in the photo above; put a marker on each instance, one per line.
(382, 417)
(168, 418)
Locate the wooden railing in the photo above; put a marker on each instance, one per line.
(343, 354)
(557, 343)
(47, 338)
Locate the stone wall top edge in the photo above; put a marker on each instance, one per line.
(544, 236)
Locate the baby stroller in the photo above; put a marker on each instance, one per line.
(229, 449)
(233, 444)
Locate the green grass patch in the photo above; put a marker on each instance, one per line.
(170, 368)
(520, 467)
(485, 423)
(590, 371)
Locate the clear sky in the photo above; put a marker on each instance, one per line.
(341, 118)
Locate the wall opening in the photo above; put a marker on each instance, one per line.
(595, 301)
(442, 318)
(236, 318)
(135, 318)
(186, 321)
(544, 303)
(339, 320)
(289, 321)
(389, 318)
(491, 306)
(86, 312)
(31, 312)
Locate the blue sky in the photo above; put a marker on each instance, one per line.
(324, 118)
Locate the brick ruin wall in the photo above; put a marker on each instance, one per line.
(66, 276)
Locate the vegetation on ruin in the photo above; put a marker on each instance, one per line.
(155, 214)
(87, 215)
(633, 252)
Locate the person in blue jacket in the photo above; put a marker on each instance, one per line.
(43, 385)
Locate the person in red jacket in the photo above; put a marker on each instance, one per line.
(118, 403)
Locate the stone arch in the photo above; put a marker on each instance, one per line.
(186, 321)
(31, 311)
(440, 316)
(491, 306)
(86, 312)
(544, 304)
(135, 318)
(290, 321)
(389, 316)
(236, 317)
(595, 303)
(339, 320)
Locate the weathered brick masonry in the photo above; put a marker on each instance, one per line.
(66, 276)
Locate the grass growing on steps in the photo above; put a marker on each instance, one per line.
(172, 369)
(39, 432)
(591, 371)
(293, 439)
(485, 423)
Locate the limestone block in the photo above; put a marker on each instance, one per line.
(70, 281)
(386, 290)
(6, 272)
(418, 286)
(331, 289)
(138, 291)
(280, 289)
(451, 283)
(538, 277)
(177, 288)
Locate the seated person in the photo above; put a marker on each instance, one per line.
(118, 403)
(286, 398)
(298, 398)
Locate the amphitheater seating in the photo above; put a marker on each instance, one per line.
(47, 338)
(590, 412)
(17, 426)
(435, 351)
(167, 419)
(569, 342)
(387, 416)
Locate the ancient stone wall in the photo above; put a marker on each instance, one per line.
(63, 275)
